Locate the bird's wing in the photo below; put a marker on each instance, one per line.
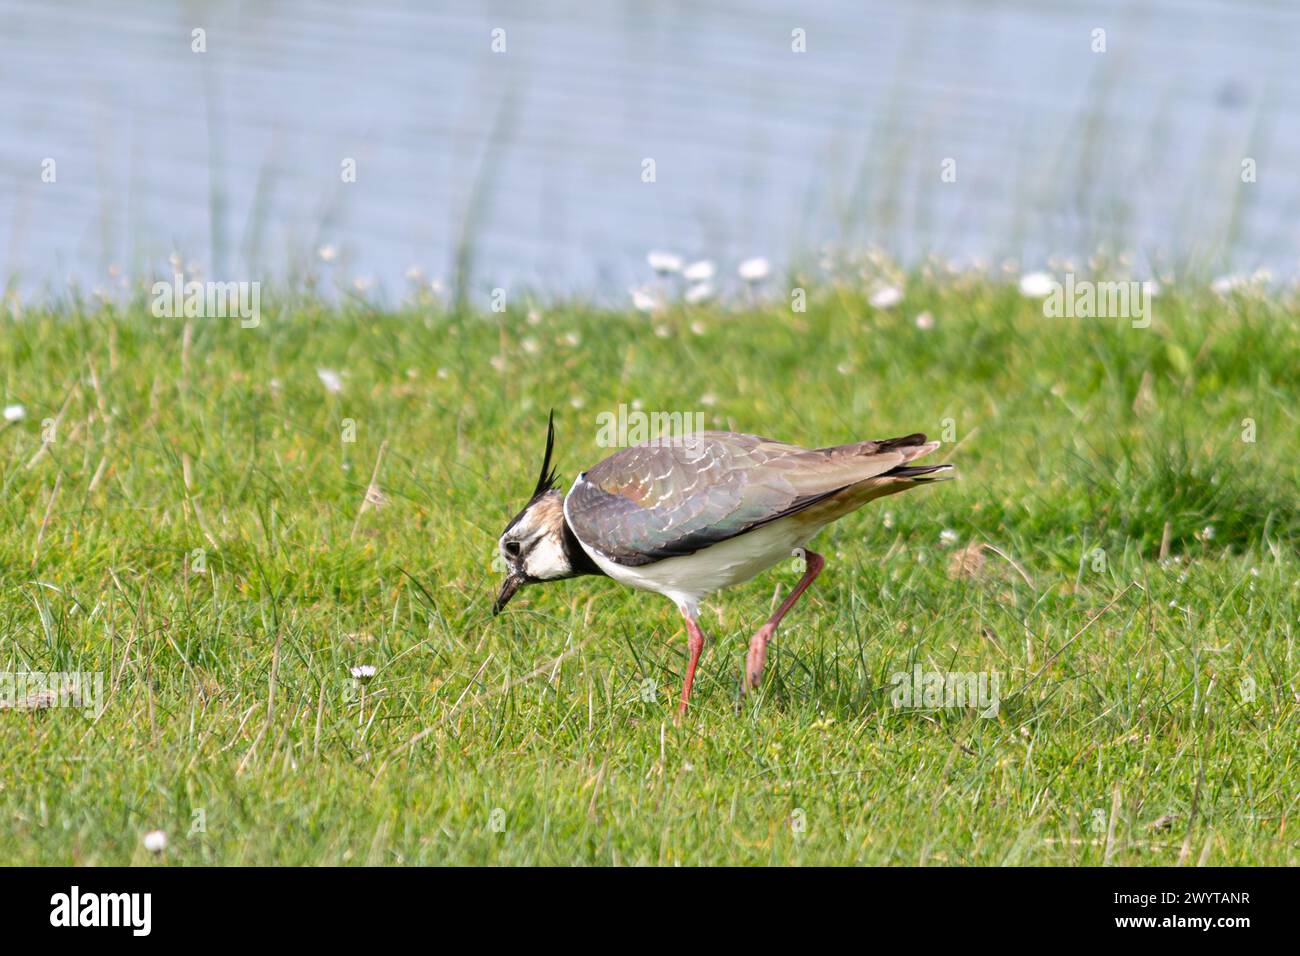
(677, 496)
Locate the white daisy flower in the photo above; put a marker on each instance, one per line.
(331, 379)
(155, 841)
(664, 263)
(643, 299)
(754, 270)
(925, 321)
(1037, 285)
(699, 292)
(886, 297)
(15, 413)
(948, 537)
(363, 672)
(701, 271)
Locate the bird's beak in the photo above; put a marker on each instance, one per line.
(508, 588)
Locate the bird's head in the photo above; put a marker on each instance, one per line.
(537, 544)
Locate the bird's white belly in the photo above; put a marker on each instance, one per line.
(688, 578)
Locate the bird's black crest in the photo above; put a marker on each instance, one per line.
(546, 478)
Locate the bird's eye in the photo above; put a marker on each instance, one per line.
(512, 548)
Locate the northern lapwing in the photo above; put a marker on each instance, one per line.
(690, 515)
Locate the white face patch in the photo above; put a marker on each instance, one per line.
(546, 560)
(539, 535)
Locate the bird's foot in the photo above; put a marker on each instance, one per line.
(757, 656)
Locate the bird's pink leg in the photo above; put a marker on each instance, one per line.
(757, 656)
(695, 644)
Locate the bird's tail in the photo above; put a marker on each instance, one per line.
(903, 474)
(913, 447)
(922, 473)
(899, 474)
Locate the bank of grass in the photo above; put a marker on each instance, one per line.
(195, 533)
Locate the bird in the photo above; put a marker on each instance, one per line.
(688, 515)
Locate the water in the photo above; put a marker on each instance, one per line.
(524, 168)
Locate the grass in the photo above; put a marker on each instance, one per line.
(195, 533)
